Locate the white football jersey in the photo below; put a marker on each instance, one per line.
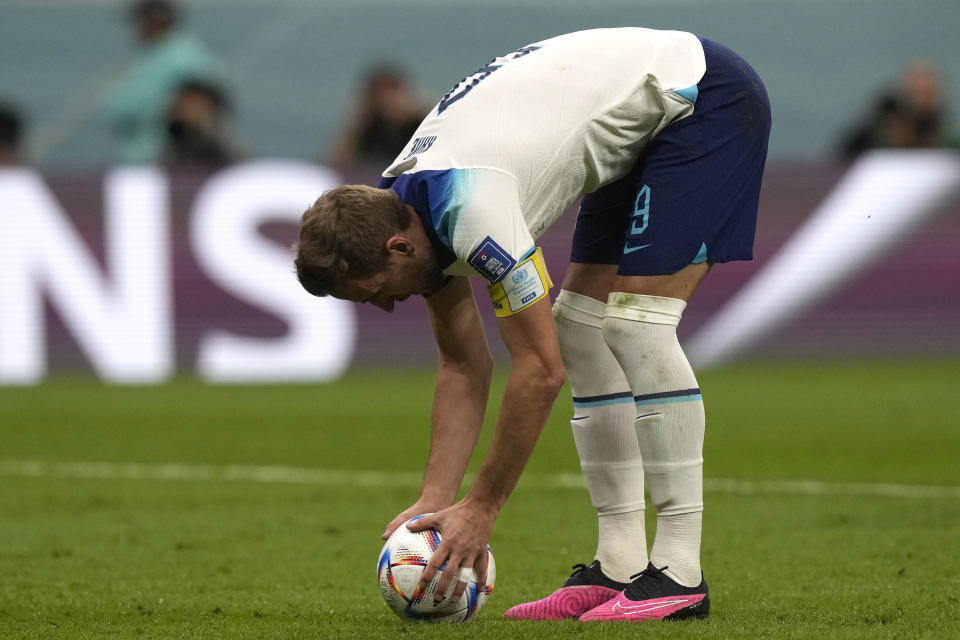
(513, 145)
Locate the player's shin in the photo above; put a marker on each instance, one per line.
(641, 332)
(604, 434)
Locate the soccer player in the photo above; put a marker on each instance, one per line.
(666, 133)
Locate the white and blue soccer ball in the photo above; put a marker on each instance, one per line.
(404, 557)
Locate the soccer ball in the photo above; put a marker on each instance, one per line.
(401, 562)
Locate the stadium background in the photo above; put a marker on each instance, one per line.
(295, 65)
(858, 389)
(293, 85)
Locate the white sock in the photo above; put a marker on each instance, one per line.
(603, 430)
(641, 331)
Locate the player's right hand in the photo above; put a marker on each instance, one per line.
(418, 508)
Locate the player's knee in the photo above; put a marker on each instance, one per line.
(639, 307)
(570, 311)
(636, 319)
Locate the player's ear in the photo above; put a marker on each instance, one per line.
(399, 244)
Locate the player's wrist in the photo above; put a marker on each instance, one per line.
(486, 504)
(436, 498)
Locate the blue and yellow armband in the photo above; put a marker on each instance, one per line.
(524, 285)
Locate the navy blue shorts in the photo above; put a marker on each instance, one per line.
(692, 194)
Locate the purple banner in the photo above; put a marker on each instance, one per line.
(212, 267)
(909, 304)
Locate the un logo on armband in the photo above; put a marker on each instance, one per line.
(528, 283)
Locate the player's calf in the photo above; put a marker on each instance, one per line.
(641, 332)
(605, 435)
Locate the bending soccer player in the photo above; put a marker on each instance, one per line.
(666, 134)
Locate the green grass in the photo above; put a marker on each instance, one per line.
(123, 558)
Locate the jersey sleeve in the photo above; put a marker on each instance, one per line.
(489, 234)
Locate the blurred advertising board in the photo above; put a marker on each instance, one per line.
(137, 275)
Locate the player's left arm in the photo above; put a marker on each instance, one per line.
(535, 379)
(460, 397)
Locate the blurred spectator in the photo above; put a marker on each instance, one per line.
(136, 107)
(11, 133)
(197, 134)
(911, 115)
(383, 120)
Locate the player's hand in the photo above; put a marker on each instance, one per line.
(420, 507)
(465, 529)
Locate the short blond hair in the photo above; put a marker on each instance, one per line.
(344, 235)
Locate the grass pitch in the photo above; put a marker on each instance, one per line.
(267, 524)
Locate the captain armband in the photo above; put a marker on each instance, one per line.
(524, 285)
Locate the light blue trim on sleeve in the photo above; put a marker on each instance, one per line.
(452, 184)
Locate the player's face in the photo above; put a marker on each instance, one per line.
(403, 277)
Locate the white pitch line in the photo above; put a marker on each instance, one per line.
(328, 477)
